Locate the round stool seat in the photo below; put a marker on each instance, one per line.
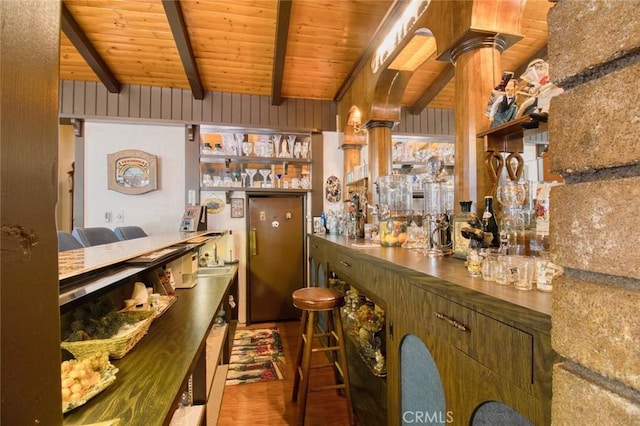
(317, 298)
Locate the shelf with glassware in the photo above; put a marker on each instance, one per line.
(256, 162)
(424, 156)
(355, 186)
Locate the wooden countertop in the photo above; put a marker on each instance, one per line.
(147, 387)
(446, 268)
(72, 263)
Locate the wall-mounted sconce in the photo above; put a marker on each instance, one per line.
(355, 119)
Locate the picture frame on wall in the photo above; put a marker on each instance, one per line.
(237, 207)
(132, 172)
(317, 225)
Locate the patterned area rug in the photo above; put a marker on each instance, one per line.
(256, 356)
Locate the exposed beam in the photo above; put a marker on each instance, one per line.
(181, 37)
(88, 52)
(280, 50)
(432, 91)
(389, 19)
(540, 54)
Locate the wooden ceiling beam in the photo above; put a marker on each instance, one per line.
(87, 50)
(181, 37)
(433, 90)
(390, 18)
(280, 50)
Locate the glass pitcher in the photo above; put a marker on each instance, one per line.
(395, 194)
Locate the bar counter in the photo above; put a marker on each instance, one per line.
(153, 375)
(490, 345)
(446, 268)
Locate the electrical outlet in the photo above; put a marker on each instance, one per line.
(107, 217)
(120, 217)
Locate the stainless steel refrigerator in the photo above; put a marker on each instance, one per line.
(277, 255)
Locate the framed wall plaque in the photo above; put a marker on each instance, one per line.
(132, 172)
(237, 207)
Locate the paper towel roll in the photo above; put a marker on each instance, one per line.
(140, 294)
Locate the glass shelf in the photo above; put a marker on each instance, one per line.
(226, 155)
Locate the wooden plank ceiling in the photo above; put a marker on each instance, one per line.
(301, 49)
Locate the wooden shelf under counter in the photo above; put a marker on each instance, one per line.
(153, 375)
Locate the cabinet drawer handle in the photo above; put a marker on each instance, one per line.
(343, 263)
(452, 321)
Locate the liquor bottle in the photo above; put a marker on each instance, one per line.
(460, 220)
(489, 223)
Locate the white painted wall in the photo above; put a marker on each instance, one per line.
(158, 211)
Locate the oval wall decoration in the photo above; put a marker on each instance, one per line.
(333, 189)
(132, 172)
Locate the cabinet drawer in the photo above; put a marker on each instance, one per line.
(346, 266)
(316, 251)
(505, 350)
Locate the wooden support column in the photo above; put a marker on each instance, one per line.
(380, 149)
(477, 71)
(351, 158)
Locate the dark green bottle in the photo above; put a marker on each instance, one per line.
(489, 223)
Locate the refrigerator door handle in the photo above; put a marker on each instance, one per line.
(252, 242)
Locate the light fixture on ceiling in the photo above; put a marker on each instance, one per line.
(403, 26)
(420, 48)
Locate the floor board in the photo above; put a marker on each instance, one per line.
(269, 403)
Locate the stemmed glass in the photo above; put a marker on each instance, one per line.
(297, 149)
(251, 173)
(244, 179)
(276, 144)
(279, 176)
(247, 147)
(239, 137)
(511, 194)
(304, 149)
(265, 174)
(292, 141)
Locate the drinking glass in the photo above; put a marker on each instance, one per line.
(292, 141)
(304, 149)
(244, 179)
(511, 195)
(239, 137)
(297, 149)
(229, 146)
(276, 144)
(247, 147)
(265, 174)
(279, 176)
(251, 173)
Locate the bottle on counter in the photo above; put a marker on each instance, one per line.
(489, 223)
(460, 220)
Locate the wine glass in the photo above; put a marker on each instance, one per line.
(244, 179)
(511, 194)
(251, 173)
(304, 149)
(297, 149)
(265, 174)
(279, 176)
(292, 141)
(276, 144)
(229, 146)
(247, 147)
(239, 137)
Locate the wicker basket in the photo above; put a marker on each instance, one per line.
(117, 346)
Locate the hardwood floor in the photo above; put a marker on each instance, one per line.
(269, 403)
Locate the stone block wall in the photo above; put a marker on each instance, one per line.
(594, 133)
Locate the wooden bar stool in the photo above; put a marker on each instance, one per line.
(311, 300)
